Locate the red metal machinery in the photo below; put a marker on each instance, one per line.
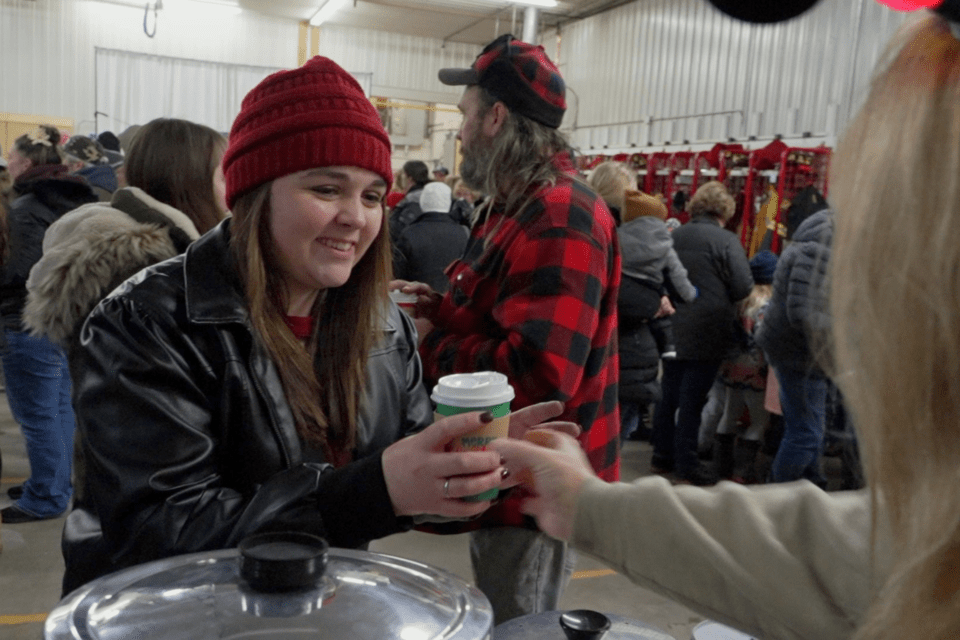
(704, 170)
(658, 173)
(759, 187)
(732, 172)
(679, 184)
(799, 168)
(596, 160)
(638, 162)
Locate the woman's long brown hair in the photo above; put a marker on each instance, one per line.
(174, 161)
(324, 383)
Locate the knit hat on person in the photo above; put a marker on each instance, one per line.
(109, 140)
(309, 117)
(86, 150)
(518, 74)
(762, 266)
(636, 204)
(436, 197)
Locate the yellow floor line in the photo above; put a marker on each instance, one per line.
(598, 573)
(13, 480)
(37, 617)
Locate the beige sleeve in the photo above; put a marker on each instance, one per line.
(784, 562)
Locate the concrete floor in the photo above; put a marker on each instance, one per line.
(31, 566)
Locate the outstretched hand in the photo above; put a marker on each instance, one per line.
(553, 468)
(534, 417)
(422, 477)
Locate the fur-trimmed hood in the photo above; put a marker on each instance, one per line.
(91, 250)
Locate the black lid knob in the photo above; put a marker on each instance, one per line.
(283, 560)
(584, 624)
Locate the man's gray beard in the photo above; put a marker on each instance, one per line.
(473, 169)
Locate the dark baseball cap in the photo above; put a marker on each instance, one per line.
(518, 74)
(85, 149)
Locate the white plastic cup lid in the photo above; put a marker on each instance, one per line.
(480, 389)
(403, 298)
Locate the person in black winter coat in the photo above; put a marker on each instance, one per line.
(416, 174)
(431, 242)
(35, 368)
(706, 330)
(792, 336)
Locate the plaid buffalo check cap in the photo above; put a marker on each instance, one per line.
(520, 75)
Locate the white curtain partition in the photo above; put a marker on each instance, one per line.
(135, 88)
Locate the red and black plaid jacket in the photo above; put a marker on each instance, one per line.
(538, 302)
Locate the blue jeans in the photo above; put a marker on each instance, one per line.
(803, 397)
(38, 390)
(630, 418)
(676, 421)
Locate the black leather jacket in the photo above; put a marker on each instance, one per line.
(189, 442)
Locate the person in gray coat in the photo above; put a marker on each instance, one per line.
(792, 336)
(651, 270)
(650, 261)
(706, 331)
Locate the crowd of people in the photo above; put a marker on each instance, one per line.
(199, 345)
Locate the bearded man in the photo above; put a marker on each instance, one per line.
(534, 297)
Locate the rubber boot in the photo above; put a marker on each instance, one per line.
(744, 461)
(723, 454)
(762, 467)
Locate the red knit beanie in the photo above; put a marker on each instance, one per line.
(309, 117)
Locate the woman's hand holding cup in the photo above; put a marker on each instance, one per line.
(428, 300)
(423, 477)
(426, 305)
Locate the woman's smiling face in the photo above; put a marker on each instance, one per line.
(322, 222)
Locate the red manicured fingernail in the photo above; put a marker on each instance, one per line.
(486, 416)
(505, 473)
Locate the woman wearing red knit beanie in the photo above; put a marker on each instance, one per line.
(263, 380)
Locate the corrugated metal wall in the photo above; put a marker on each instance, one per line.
(650, 71)
(48, 51)
(659, 71)
(48, 48)
(404, 67)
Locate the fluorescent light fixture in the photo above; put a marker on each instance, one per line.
(327, 10)
(228, 5)
(537, 3)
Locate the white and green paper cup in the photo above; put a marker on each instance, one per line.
(406, 301)
(481, 391)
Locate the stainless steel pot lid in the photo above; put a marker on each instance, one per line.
(203, 596)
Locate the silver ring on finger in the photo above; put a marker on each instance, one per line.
(446, 488)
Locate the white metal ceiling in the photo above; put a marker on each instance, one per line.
(470, 21)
